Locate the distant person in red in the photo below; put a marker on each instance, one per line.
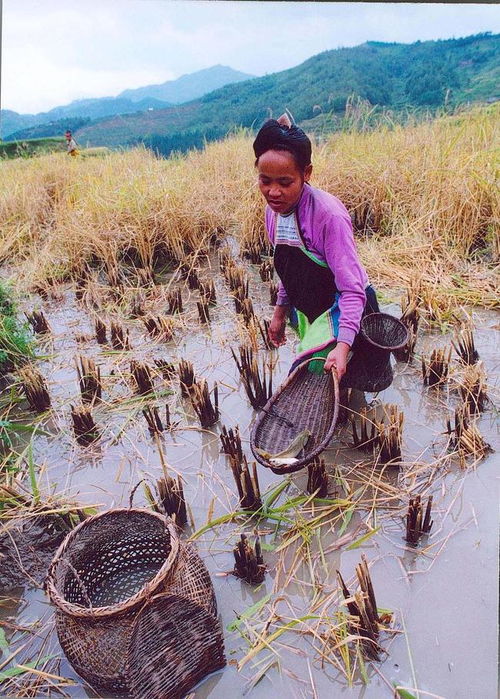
(71, 144)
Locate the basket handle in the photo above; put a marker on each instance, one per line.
(133, 492)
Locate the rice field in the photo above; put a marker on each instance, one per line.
(148, 283)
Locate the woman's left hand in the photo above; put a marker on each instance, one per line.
(338, 358)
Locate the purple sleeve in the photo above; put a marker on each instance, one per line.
(350, 276)
(282, 299)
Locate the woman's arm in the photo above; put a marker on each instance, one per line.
(350, 279)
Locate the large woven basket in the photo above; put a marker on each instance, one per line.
(102, 580)
(370, 366)
(306, 400)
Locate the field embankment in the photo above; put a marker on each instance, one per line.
(423, 200)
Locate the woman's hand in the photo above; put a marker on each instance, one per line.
(337, 359)
(277, 326)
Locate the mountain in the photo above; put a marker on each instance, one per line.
(418, 76)
(20, 126)
(188, 87)
(15, 126)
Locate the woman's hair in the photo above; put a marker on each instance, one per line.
(275, 136)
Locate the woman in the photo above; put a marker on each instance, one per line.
(323, 287)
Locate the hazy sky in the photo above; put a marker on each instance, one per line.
(55, 51)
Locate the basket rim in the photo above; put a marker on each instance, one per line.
(321, 446)
(141, 595)
(376, 344)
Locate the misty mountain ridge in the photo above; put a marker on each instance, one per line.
(187, 87)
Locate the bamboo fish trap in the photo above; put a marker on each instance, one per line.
(135, 607)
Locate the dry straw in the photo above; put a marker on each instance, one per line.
(424, 195)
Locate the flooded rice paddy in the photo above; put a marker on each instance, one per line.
(442, 594)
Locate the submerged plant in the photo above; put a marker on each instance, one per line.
(169, 499)
(273, 293)
(249, 563)
(390, 435)
(208, 412)
(160, 327)
(35, 388)
(247, 484)
(317, 479)
(258, 386)
(143, 377)
(473, 387)
(152, 415)
(100, 332)
(167, 369)
(364, 619)
(207, 292)
(203, 312)
(418, 523)
(231, 442)
(119, 336)
(464, 346)
(266, 271)
(84, 427)
(174, 300)
(89, 379)
(38, 322)
(186, 376)
(435, 370)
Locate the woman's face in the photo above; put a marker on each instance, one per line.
(281, 180)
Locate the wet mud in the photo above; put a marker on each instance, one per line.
(441, 595)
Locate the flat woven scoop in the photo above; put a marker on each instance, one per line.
(306, 400)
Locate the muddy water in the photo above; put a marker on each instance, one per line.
(443, 594)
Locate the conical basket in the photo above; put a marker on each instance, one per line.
(370, 367)
(305, 401)
(103, 577)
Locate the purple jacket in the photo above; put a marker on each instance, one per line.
(326, 227)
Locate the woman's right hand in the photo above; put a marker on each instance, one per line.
(277, 326)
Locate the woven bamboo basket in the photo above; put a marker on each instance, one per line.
(370, 366)
(101, 581)
(306, 400)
